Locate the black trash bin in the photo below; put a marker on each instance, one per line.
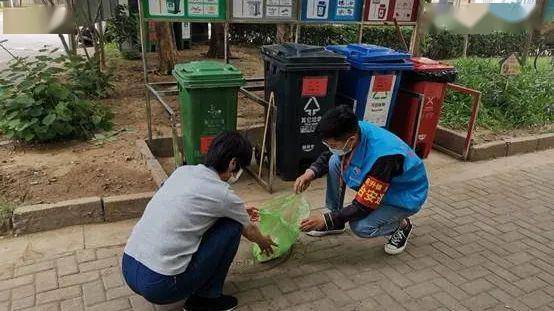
(304, 81)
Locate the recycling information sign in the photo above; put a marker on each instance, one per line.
(263, 10)
(379, 98)
(209, 10)
(332, 10)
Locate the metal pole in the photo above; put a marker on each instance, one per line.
(297, 33)
(266, 127)
(143, 37)
(476, 95)
(226, 42)
(361, 31)
(273, 156)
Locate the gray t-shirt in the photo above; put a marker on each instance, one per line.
(169, 232)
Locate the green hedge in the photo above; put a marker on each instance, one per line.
(439, 45)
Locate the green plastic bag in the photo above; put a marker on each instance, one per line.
(280, 219)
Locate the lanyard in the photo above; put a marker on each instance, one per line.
(345, 162)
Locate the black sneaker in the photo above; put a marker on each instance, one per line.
(323, 232)
(399, 239)
(221, 303)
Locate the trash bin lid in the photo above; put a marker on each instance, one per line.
(202, 74)
(373, 57)
(427, 64)
(298, 56)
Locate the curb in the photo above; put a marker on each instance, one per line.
(158, 173)
(453, 141)
(43, 217)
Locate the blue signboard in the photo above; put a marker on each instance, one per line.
(331, 10)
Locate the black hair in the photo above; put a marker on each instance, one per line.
(225, 147)
(338, 123)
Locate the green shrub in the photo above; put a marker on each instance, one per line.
(123, 30)
(443, 45)
(44, 102)
(253, 34)
(86, 78)
(437, 45)
(525, 100)
(328, 34)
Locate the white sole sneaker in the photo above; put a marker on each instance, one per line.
(316, 233)
(395, 251)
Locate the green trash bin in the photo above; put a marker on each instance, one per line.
(208, 99)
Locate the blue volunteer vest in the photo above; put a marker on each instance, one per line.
(407, 191)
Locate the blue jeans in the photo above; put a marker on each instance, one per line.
(204, 275)
(382, 221)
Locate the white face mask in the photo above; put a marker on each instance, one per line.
(235, 177)
(340, 152)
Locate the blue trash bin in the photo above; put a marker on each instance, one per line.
(371, 85)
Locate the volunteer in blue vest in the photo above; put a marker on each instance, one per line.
(389, 179)
(184, 243)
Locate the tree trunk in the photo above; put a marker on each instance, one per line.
(466, 45)
(526, 47)
(166, 48)
(284, 33)
(217, 42)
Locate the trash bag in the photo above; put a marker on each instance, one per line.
(280, 219)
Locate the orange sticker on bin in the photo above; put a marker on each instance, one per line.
(205, 142)
(383, 83)
(315, 86)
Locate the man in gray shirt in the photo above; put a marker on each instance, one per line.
(186, 240)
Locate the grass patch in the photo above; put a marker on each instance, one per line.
(517, 102)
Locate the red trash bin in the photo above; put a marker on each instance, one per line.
(428, 78)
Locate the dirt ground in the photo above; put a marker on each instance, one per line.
(54, 172)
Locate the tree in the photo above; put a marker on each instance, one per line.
(166, 48)
(217, 42)
(284, 33)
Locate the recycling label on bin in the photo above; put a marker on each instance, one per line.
(315, 86)
(309, 120)
(379, 98)
(205, 143)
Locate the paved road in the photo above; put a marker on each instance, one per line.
(479, 244)
(24, 45)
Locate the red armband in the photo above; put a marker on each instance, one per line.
(371, 192)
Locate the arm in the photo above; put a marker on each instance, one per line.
(253, 234)
(319, 168)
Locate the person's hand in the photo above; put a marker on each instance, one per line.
(254, 213)
(303, 182)
(314, 222)
(265, 244)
